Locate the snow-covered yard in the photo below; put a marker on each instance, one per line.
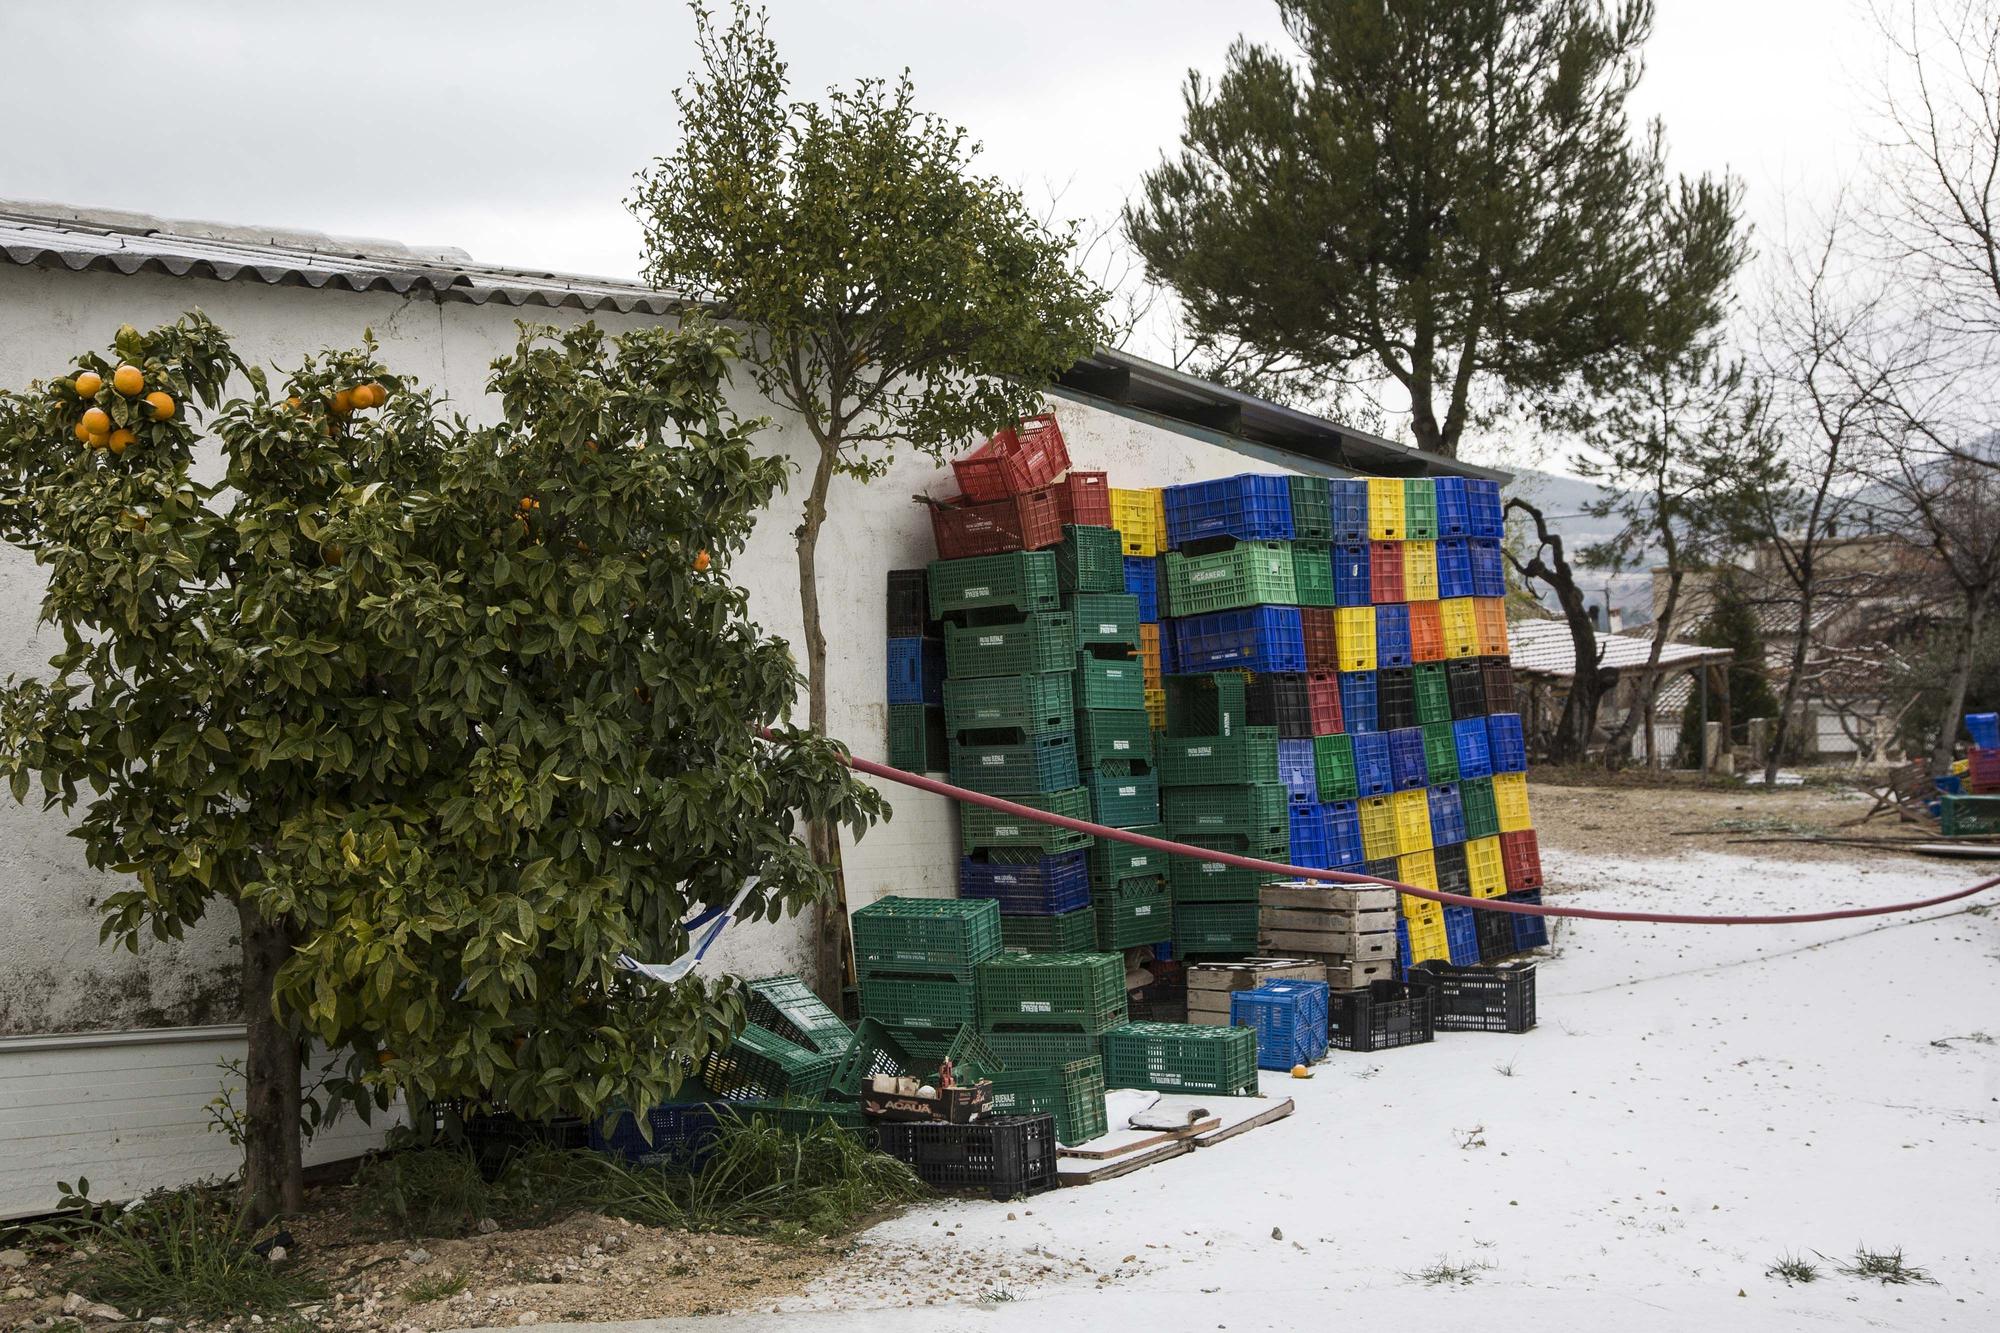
(1696, 1104)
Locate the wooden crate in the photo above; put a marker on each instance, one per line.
(1209, 984)
(1329, 922)
(1361, 946)
(1311, 895)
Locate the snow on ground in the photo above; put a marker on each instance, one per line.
(1696, 1103)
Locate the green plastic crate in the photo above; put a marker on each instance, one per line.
(1248, 755)
(1248, 574)
(1134, 912)
(1215, 930)
(1066, 932)
(1041, 1050)
(787, 1006)
(1044, 762)
(763, 1064)
(966, 1047)
(1112, 860)
(798, 1117)
(1034, 704)
(1090, 559)
(1210, 704)
(1104, 619)
(1193, 881)
(1482, 813)
(1312, 509)
(1073, 1093)
(1079, 991)
(1248, 810)
(1182, 1057)
(1333, 761)
(1123, 800)
(1968, 814)
(980, 829)
(1043, 642)
(952, 936)
(1113, 733)
(1440, 753)
(1110, 682)
(880, 1048)
(916, 738)
(919, 1002)
(1433, 692)
(1312, 572)
(1420, 509)
(1023, 581)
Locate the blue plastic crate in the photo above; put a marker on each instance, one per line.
(1530, 932)
(1170, 656)
(1357, 702)
(1289, 1018)
(1142, 580)
(1475, 752)
(1454, 555)
(1252, 506)
(1485, 510)
(1507, 746)
(1350, 508)
(1309, 836)
(1296, 770)
(1489, 572)
(1407, 769)
(1461, 935)
(682, 1134)
(916, 671)
(1392, 635)
(1373, 774)
(1048, 886)
(1447, 815)
(1350, 574)
(1343, 834)
(1454, 508)
(1259, 638)
(1984, 728)
(1402, 946)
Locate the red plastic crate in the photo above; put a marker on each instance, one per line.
(1385, 572)
(1322, 654)
(1982, 771)
(1086, 499)
(1019, 459)
(1018, 523)
(1521, 860)
(1426, 632)
(1323, 701)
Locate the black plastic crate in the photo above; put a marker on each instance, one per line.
(910, 605)
(1453, 874)
(1379, 1017)
(493, 1134)
(1281, 702)
(1495, 933)
(1478, 999)
(1467, 687)
(1395, 699)
(1497, 675)
(1006, 1156)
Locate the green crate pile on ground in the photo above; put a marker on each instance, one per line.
(918, 960)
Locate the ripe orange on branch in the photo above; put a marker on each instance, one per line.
(162, 405)
(129, 381)
(96, 421)
(88, 384)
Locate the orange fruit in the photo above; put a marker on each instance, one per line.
(701, 563)
(97, 421)
(128, 380)
(384, 1057)
(120, 439)
(333, 554)
(343, 402)
(82, 433)
(294, 404)
(88, 383)
(162, 405)
(376, 395)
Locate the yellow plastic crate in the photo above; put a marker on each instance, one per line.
(1385, 509)
(1149, 655)
(1354, 637)
(1136, 515)
(1420, 571)
(1156, 709)
(1428, 942)
(1160, 523)
(1485, 868)
(1489, 615)
(1418, 869)
(1461, 627)
(1378, 828)
(1510, 801)
(1413, 824)
(1421, 911)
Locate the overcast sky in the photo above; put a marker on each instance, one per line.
(512, 130)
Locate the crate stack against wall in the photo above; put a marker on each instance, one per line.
(916, 666)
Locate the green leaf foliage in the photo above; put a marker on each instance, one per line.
(466, 709)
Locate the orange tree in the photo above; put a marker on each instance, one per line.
(448, 717)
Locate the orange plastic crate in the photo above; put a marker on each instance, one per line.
(1426, 632)
(1490, 626)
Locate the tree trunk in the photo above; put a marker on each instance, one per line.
(822, 836)
(1642, 707)
(273, 1175)
(1961, 677)
(1794, 682)
(1571, 738)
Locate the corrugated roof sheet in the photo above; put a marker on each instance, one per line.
(55, 236)
(1544, 648)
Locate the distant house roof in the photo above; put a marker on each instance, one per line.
(1544, 648)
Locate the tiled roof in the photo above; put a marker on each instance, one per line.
(1544, 648)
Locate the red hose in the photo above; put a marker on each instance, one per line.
(1346, 877)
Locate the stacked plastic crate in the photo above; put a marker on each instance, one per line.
(916, 676)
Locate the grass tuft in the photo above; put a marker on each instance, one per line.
(1885, 1266)
(427, 1289)
(425, 1192)
(1445, 1273)
(1793, 1271)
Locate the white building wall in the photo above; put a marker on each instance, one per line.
(55, 977)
